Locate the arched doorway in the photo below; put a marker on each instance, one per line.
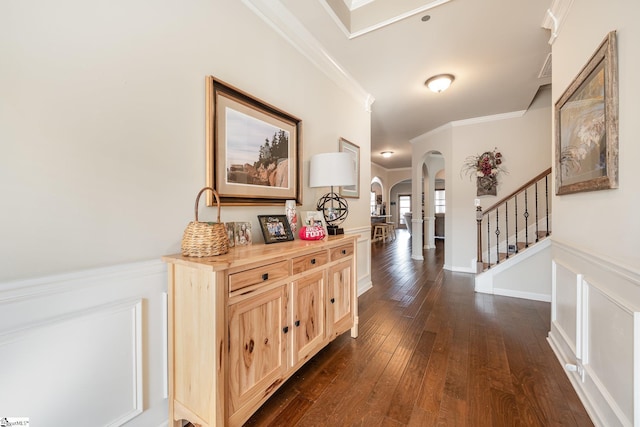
(377, 198)
(425, 185)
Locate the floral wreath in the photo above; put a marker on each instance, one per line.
(487, 164)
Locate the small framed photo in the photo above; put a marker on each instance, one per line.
(275, 228)
(230, 228)
(314, 219)
(242, 233)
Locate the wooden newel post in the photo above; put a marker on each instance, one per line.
(479, 264)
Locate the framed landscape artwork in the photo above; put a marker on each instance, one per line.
(252, 149)
(586, 120)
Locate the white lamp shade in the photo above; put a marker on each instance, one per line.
(332, 169)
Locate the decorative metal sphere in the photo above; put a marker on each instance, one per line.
(334, 208)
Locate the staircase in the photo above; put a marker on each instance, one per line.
(515, 223)
(511, 232)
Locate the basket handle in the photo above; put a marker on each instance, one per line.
(215, 195)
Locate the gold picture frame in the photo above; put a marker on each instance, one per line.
(586, 125)
(252, 149)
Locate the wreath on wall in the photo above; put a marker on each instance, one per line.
(485, 167)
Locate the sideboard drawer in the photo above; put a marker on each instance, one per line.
(307, 262)
(341, 252)
(262, 274)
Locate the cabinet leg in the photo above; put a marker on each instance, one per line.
(354, 328)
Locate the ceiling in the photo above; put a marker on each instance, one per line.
(496, 50)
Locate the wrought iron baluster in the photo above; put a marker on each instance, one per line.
(537, 220)
(526, 219)
(497, 236)
(479, 217)
(546, 196)
(516, 215)
(506, 224)
(488, 241)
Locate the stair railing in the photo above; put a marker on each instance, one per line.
(509, 218)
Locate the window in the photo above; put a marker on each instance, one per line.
(373, 203)
(439, 201)
(404, 205)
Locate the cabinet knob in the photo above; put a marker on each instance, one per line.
(344, 252)
(313, 261)
(265, 276)
(297, 323)
(285, 329)
(333, 300)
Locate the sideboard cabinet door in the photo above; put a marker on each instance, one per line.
(340, 299)
(308, 316)
(257, 347)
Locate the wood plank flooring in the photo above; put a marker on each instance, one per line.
(431, 352)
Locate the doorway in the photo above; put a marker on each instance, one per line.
(404, 207)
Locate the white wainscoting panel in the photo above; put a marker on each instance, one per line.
(63, 363)
(608, 332)
(595, 329)
(363, 258)
(85, 348)
(564, 310)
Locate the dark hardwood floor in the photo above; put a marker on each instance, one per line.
(431, 352)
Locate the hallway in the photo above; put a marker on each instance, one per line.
(431, 352)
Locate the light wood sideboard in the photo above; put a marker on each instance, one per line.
(240, 324)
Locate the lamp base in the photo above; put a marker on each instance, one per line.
(334, 230)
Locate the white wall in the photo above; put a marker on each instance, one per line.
(102, 110)
(529, 277)
(596, 277)
(523, 141)
(102, 135)
(573, 214)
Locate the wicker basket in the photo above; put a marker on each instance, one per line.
(202, 239)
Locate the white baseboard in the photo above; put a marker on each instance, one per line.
(362, 288)
(524, 295)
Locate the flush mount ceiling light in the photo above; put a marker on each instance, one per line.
(440, 82)
(387, 153)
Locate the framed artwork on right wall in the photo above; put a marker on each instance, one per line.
(586, 122)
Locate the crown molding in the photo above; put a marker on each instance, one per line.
(377, 25)
(432, 132)
(555, 16)
(355, 4)
(291, 29)
(391, 169)
(492, 118)
(468, 122)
